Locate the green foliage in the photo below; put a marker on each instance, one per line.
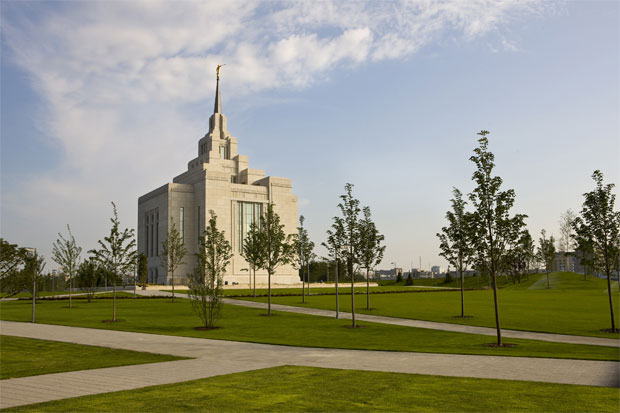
(598, 232)
(205, 284)
(409, 280)
(399, 278)
(252, 249)
(448, 278)
(11, 258)
(492, 225)
(116, 254)
(89, 276)
(66, 254)
(172, 252)
(143, 269)
(546, 252)
(277, 247)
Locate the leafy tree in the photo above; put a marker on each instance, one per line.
(31, 275)
(116, 254)
(350, 210)
(143, 269)
(173, 251)
(371, 250)
(252, 251)
(303, 248)
(455, 240)
(546, 252)
(11, 258)
(334, 245)
(399, 276)
(492, 225)
(409, 279)
(66, 253)
(206, 283)
(89, 275)
(277, 247)
(598, 229)
(528, 252)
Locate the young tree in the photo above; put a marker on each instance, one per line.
(205, 284)
(303, 248)
(31, 275)
(11, 258)
(66, 253)
(350, 210)
(565, 241)
(334, 247)
(526, 243)
(277, 247)
(546, 252)
(252, 251)
(492, 224)
(455, 240)
(88, 276)
(598, 229)
(371, 250)
(117, 255)
(172, 252)
(143, 270)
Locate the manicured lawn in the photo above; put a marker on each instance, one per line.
(342, 288)
(160, 316)
(22, 357)
(571, 306)
(293, 388)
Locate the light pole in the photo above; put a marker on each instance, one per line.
(395, 275)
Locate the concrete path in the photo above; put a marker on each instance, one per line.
(459, 328)
(216, 357)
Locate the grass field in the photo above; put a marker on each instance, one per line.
(293, 388)
(21, 357)
(160, 316)
(571, 306)
(342, 289)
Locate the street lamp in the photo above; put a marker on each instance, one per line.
(395, 275)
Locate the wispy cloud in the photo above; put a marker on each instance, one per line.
(114, 76)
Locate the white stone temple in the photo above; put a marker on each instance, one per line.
(221, 180)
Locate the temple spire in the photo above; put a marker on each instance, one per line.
(217, 108)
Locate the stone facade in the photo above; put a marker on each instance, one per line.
(221, 180)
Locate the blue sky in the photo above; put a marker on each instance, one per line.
(104, 101)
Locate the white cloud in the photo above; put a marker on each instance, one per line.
(114, 75)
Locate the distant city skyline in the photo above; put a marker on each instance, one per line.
(386, 95)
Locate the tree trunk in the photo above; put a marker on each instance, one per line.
(350, 268)
(308, 274)
(254, 271)
(499, 330)
(34, 296)
(303, 285)
(611, 303)
(367, 290)
(114, 302)
(462, 294)
(269, 292)
(70, 290)
(337, 307)
(548, 287)
(172, 275)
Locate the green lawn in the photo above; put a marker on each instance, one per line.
(160, 316)
(342, 288)
(571, 306)
(22, 357)
(293, 388)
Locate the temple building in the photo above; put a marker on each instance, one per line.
(218, 179)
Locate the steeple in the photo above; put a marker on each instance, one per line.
(217, 108)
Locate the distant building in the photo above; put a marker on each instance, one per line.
(436, 270)
(567, 261)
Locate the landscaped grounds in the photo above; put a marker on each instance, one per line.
(292, 388)
(571, 306)
(21, 357)
(160, 316)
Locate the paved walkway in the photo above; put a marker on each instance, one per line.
(216, 357)
(459, 328)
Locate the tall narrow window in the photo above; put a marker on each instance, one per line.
(248, 214)
(224, 151)
(157, 236)
(182, 224)
(146, 238)
(152, 235)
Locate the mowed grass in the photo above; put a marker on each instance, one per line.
(342, 288)
(21, 357)
(571, 306)
(294, 388)
(160, 316)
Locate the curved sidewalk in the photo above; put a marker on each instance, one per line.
(216, 357)
(459, 328)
